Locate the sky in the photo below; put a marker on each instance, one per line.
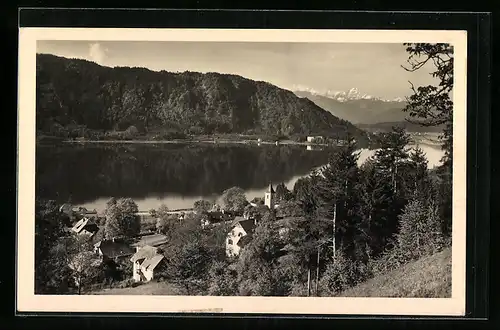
(374, 69)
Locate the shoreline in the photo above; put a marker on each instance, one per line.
(247, 142)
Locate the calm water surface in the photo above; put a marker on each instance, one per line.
(175, 175)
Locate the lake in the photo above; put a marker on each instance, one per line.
(173, 174)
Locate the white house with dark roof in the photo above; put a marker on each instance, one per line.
(145, 261)
(240, 234)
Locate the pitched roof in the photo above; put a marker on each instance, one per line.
(151, 240)
(144, 253)
(114, 249)
(270, 188)
(244, 240)
(80, 224)
(152, 262)
(91, 227)
(237, 220)
(248, 225)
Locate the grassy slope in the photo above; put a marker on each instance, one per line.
(429, 277)
(151, 288)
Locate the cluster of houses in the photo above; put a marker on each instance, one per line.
(144, 251)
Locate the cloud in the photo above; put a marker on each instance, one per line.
(97, 53)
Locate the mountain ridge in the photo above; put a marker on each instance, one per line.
(343, 96)
(81, 92)
(359, 110)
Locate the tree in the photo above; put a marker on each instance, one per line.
(234, 199)
(165, 221)
(51, 276)
(290, 208)
(188, 261)
(376, 208)
(340, 274)
(202, 206)
(222, 279)
(419, 231)
(282, 193)
(122, 219)
(338, 197)
(432, 105)
(392, 154)
(256, 269)
(256, 212)
(76, 253)
(418, 174)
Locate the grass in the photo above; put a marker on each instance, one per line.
(150, 288)
(429, 277)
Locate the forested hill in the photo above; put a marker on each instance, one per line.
(79, 92)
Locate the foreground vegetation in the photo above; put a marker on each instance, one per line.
(428, 277)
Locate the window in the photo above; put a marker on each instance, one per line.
(230, 241)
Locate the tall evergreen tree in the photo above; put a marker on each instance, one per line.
(376, 208)
(419, 231)
(338, 197)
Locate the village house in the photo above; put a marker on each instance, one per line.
(147, 257)
(85, 227)
(145, 261)
(315, 139)
(239, 236)
(113, 249)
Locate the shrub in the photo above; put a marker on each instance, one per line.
(341, 274)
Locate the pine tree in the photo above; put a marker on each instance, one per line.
(392, 154)
(338, 198)
(417, 175)
(419, 231)
(375, 207)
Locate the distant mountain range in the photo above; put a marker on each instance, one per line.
(75, 91)
(358, 108)
(342, 96)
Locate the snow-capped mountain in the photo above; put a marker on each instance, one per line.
(343, 96)
(356, 107)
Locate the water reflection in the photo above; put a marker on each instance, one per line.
(176, 175)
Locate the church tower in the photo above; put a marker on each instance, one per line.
(269, 197)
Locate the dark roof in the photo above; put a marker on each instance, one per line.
(270, 188)
(91, 227)
(248, 225)
(151, 240)
(112, 249)
(98, 235)
(244, 240)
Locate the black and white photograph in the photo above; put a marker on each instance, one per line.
(216, 166)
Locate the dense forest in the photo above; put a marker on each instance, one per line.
(74, 94)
